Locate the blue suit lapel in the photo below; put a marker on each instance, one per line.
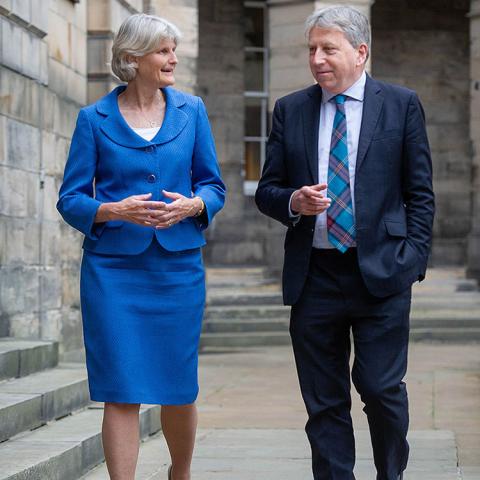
(117, 129)
(311, 119)
(372, 106)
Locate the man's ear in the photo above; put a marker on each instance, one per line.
(362, 55)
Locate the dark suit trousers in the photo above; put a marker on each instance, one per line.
(335, 302)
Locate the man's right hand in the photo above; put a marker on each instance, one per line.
(310, 200)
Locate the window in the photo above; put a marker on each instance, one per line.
(256, 93)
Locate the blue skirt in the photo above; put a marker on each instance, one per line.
(142, 317)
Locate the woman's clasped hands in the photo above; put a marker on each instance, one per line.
(139, 209)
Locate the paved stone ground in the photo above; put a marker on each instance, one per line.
(252, 417)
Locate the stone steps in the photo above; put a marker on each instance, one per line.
(237, 339)
(446, 307)
(49, 429)
(244, 298)
(64, 449)
(19, 358)
(453, 335)
(243, 339)
(282, 324)
(30, 402)
(246, 312)
(246, 325)
(419, 312)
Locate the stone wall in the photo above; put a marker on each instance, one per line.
(424, 45)
(45, 77)
(42, 84)
(474, 240)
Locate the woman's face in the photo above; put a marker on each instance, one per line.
(158, 67)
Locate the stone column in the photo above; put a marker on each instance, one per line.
(221, 85)
(184, 14)
(289, 71)
(473, 260)
(103, 19)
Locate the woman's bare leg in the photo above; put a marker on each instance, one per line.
(179, 426)
(121, 437)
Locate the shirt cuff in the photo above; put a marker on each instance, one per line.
(293, 217)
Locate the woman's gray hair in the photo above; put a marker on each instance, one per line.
(139, 35)
(354, 24)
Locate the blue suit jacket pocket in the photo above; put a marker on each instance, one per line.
(396, 229)
(98, 228)
(114, 224)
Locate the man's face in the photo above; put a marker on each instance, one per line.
(334, 62)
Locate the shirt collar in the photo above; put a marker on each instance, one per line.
(355, 91)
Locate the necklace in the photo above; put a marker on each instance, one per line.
(150, 123)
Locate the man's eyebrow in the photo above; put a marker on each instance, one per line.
(324, 45)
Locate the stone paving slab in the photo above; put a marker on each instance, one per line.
(255, 392)
(470, 473)
(284, 454)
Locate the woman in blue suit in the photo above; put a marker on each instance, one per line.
(141, 183)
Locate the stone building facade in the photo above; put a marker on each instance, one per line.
(240, 56)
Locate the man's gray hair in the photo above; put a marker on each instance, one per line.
(139, 35)
(354, 24)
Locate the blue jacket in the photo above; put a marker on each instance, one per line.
(108, 162)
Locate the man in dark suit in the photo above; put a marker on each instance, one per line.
(348, 171)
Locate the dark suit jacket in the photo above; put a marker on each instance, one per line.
(394, 202)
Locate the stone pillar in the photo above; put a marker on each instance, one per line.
(425, 48)
(184, 14)
(473, 260)
(289, 71)
(221, 85)
(104, 18)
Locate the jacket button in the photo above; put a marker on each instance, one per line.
(149, 149)
(151, 178)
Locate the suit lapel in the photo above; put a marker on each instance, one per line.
(311, 119)
(175, 119)
(117, 129)
(372, 106)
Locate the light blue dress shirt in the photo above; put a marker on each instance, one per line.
(353, 112)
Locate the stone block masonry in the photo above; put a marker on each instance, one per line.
(42, 85)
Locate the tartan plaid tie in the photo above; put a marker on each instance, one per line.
(340, 221)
